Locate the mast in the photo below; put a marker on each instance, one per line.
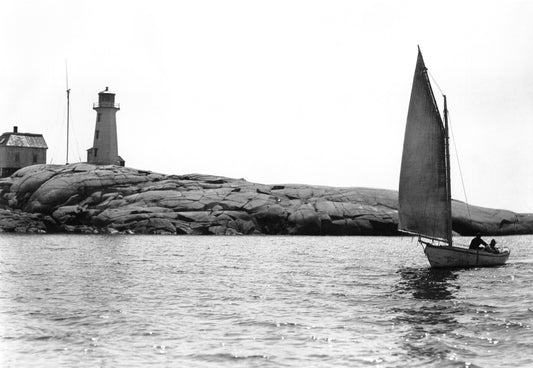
(68, 118)
(448, 177)
(68, 107)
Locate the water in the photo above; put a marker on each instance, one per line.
(137, 301)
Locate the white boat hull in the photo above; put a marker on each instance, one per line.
(448, 257)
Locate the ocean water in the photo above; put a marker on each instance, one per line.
(180, 301)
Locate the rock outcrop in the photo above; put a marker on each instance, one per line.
(21, 222)
(85, 198)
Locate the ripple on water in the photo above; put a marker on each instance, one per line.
(256, 301)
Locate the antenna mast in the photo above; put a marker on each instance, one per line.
(68, 108)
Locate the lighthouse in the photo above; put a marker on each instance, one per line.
(105, 146)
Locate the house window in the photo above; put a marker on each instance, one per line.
(95, 152)
(96, 134)
(35, 158)
(98, 116)
(17, 157)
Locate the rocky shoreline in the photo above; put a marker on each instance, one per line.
(83, 198)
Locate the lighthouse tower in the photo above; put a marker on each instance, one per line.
(105, 147)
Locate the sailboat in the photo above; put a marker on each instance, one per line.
(424, 207)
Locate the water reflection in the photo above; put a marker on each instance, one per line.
(426, 311)
(428, 283)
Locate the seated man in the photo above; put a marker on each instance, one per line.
(476, 242)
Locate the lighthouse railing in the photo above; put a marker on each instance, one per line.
(106, 104)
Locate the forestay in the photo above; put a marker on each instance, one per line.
(423, 206)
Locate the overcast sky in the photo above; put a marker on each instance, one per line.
(312, 92)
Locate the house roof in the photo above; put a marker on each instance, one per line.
(28, 140)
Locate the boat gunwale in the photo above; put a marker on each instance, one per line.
(478, 252)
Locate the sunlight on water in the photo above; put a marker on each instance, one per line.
(257, 301)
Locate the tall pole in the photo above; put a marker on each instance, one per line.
(68, 119)
(68, 108)
(448, 178)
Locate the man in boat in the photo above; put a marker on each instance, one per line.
(477, 242)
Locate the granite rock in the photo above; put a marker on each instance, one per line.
(84, 198)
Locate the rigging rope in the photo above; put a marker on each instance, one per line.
(436, 84)
(459, 167)
(455, 150)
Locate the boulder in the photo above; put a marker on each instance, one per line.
(21, 222)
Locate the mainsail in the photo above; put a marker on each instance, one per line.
(423, 196)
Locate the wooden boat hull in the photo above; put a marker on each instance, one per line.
(448, 257)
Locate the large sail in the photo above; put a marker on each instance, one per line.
(423, 202)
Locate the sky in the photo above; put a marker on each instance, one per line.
(312, 92)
